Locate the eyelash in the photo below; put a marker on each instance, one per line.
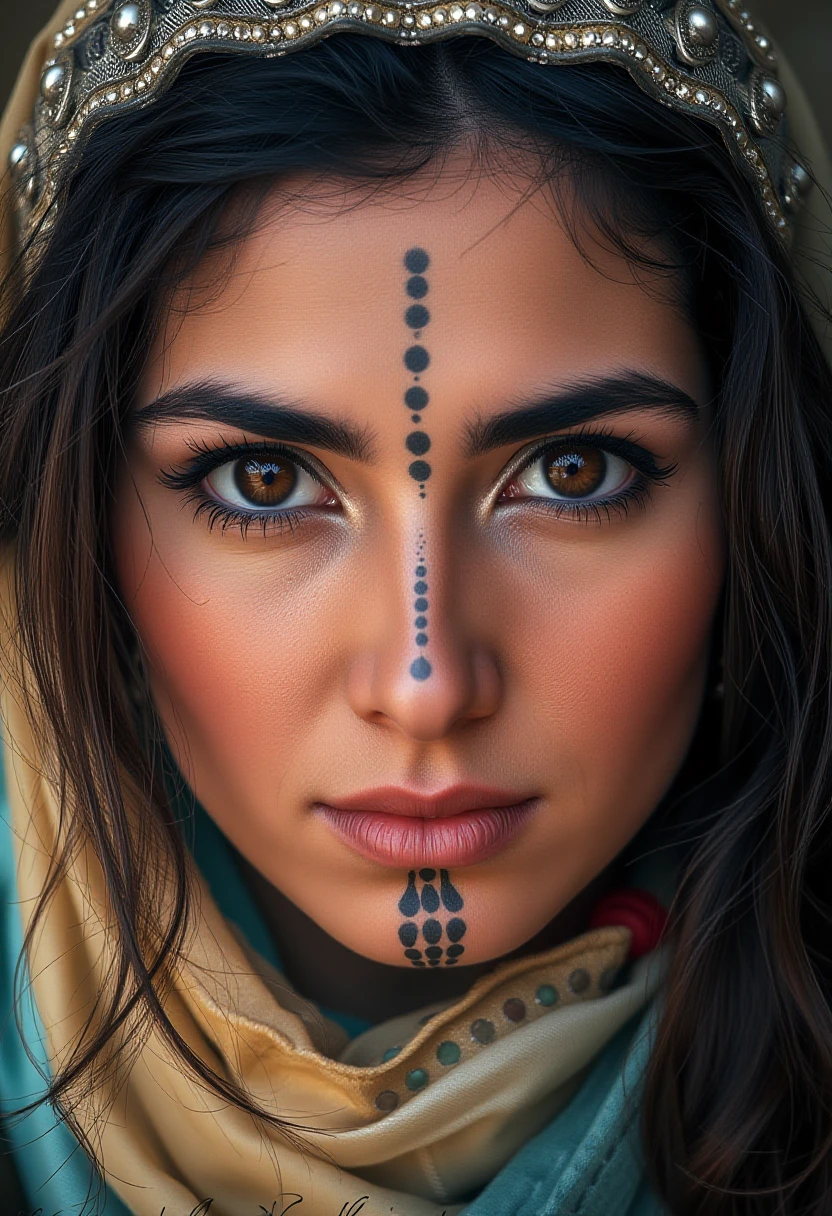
(649, 473)
(188, 480)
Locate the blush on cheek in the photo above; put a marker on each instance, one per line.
(224, 677)
(645, 641)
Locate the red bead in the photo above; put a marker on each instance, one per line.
(636, 910)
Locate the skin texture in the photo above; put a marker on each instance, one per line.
(567, 656)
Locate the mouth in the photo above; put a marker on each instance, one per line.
(461, 826)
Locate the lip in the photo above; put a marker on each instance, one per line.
(459, 826)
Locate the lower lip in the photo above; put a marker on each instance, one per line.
(404, 840)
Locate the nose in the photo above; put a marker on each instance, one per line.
(426, 665)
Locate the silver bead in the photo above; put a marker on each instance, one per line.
(696, 31)
(130, 28)
(624, 8)
(774, 97)
(702, 26)
(767, 102)
(127, 22)
(53, 83)
(546, 6)
(801, 181)
(55, 89)
(17, 157)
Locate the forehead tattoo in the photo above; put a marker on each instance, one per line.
(417, 442)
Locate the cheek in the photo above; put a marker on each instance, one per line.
(646, 648)
(234, 646)
(626, 641)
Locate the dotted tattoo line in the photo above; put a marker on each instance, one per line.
(417, 443)
(442, 941)
(420, 668)
(416, 360)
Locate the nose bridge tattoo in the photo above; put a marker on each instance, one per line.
(417, 443)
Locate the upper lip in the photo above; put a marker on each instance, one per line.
(394, 800)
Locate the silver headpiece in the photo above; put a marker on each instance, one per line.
(705, 58)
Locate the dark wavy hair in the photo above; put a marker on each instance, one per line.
(736, 1111)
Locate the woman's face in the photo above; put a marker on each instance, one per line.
(419, 530)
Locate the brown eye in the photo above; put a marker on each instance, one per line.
(576, 472)
(265, 483)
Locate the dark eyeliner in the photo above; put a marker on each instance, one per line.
(634, 453)
(637, 493)
(206, 459)
(187, 479)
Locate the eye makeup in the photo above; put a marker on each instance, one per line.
(578, 454)
(266, 468)
(580, 457)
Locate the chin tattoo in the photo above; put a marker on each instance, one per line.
(433, 932)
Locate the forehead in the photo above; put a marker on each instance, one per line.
(316, 294)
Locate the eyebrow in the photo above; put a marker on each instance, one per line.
(275, 418)
(270, 416)
(579, 402)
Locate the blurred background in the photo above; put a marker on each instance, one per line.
(802, 27)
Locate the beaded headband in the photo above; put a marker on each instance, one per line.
(705, 58)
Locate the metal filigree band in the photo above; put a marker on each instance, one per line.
(706, 58)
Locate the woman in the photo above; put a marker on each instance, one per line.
(416, 592)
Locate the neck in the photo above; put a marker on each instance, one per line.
(324, 971)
